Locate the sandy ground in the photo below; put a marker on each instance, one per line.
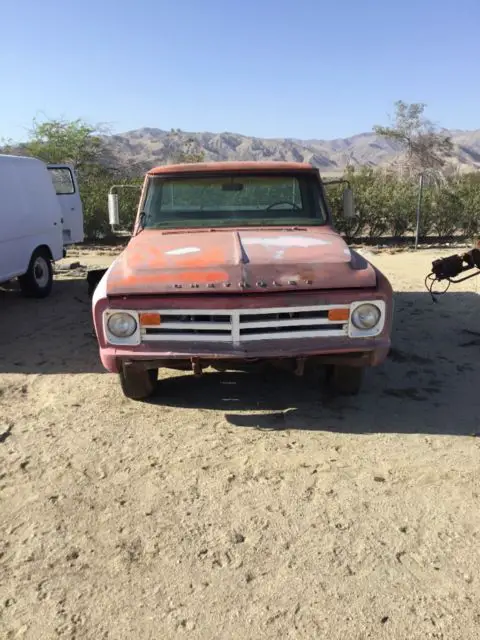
(234, 506)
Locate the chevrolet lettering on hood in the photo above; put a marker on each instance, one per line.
(157, 261)
(234, 263)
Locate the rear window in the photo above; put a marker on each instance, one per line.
(233, 200)
(62, 181)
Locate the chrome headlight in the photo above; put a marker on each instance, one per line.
(121, 325)
(366, 316)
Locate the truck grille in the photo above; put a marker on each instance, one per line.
(238, 326)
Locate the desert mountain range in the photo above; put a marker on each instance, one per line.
(147, 147)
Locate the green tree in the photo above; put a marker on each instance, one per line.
(184, 156)
(468, 189)
(75, 142)
(94, 187)
(424, 145)
(84, 146)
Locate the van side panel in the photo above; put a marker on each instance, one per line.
(30, 215)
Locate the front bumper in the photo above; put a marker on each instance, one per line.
(336, 352)
(368, 352)
(335, 348)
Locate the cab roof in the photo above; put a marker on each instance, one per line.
(222, 167)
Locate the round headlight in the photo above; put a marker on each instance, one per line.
(366, 316)
(122, 325)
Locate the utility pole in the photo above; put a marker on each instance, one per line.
(419, 207)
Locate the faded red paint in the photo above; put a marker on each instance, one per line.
(231, 166)
(156, 261)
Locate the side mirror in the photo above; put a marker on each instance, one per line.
(113, 213)
(348, 204)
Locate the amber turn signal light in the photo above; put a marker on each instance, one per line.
(150, 319)
(338, 315)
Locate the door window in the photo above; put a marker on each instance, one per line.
(62, 181)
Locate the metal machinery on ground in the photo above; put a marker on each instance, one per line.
(448, 268)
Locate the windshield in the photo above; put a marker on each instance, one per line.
(234, 200)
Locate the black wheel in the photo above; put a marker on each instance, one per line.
(38, 281)
(345, 380)
(138, 384)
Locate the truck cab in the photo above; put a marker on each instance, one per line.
(236, 263)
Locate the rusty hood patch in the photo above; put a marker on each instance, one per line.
(158, 261)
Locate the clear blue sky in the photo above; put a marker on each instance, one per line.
(310, 69)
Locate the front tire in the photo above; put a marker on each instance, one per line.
(344, 380)
(38, 280)
(138, 384)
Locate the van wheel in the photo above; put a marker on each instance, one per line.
(138, 384)
(38, 280)
(344, 380)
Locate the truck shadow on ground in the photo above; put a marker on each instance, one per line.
(395, 399)
(428, 385)
(48, 336)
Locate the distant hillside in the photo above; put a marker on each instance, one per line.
(139, 150)
(144, 148)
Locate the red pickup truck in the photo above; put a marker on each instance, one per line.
(233, 263)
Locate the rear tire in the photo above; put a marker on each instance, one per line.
(138, 384)
(38, 280)
(344, 380)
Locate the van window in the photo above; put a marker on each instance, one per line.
(62, 181)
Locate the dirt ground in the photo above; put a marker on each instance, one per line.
(234, 506)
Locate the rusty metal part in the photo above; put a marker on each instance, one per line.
(300, 368)
(197, 367)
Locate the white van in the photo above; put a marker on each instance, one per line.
(40, 213)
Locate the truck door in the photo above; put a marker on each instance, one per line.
(66, 186)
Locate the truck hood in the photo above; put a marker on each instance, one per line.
(237, 260)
